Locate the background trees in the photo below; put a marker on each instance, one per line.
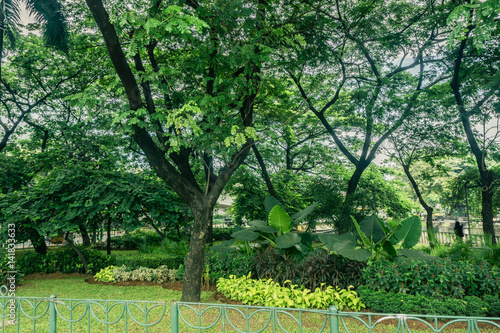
(309, 91)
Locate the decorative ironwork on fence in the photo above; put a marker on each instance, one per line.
(254, 319)
(52, 314)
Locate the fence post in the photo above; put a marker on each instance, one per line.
(174, 318)
(334, 319)
(52, 314)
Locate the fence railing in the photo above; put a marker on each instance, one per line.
(52, 314)
(243, 318)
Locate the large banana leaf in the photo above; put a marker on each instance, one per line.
(279, 219)
(287, 240)
(410, 232)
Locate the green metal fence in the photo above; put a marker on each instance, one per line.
(52, 314)
(239, 318)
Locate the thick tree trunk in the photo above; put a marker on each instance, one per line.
(487, 204)
(345, 223)
(85, 235)
(37, 241)
(195, 259)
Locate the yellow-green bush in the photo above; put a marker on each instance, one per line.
(270, 293)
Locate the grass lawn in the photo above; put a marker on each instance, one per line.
(75, 287)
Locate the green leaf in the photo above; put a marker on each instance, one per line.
(300, 216)
(372, 228)
(330, 240)
(366, 241)
(410, 232)
(287, 240)
(270, 202)
(262, 226)
(279, 219)
(350, 250)
(245, 235)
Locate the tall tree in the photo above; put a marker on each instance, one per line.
(365, 86)
(199, 117)
(476, 88)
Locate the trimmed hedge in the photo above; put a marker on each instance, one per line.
(64, 261)
(390, 302)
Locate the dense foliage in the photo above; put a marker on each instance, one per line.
(317, 268)
(438, 278)
(223, 264)
(393, 302)
(64, 261)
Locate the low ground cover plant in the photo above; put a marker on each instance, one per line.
(270, 293)
(438, 277)
(159, 275)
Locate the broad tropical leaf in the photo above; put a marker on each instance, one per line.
(262, 226)
(410, 232)
(350, 250)
(270, 202)
(245, 235)
(287, 240)
(279, 219)
(372, 228)
(330, 240)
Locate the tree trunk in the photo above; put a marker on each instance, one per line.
(428, 209)
(345, 223)
(265, 174)
(78, 252)
(85, 235)
(487, 205)
(195, 259)
(37, 241)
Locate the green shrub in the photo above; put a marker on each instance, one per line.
(319, 267)
(493, 305)
(105, 275)
(150, 261)
(390, 302)
(438, 277)
(64, 261)
(224, 264)
(270, 293)
(122, 273)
